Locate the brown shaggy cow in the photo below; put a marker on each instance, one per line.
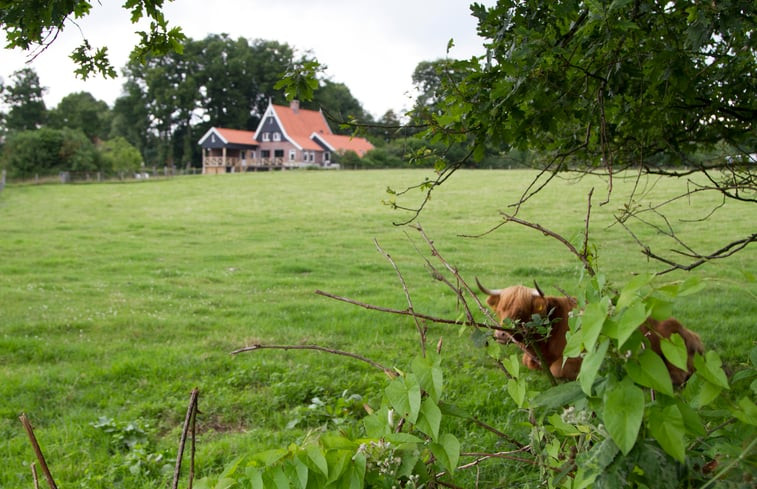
(519, 303)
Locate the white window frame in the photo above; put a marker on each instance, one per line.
(266, 136)
(327, 157)
(292, 155)
(277, 136)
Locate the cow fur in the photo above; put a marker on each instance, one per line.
(519, 303)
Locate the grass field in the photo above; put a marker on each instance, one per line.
(117, 299)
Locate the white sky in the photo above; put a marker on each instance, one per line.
(372, 46)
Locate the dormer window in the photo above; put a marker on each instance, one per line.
(276, 136)
(266, 136)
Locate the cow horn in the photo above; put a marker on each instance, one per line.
(485, 290)
(538, 289)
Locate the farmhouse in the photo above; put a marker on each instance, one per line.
(287, 137)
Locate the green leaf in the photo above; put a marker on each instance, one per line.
(429, 375)
(590, 366)
(512, 365)
(629, 321)
(517, 390)
(747, 411)
(318, 461)
(404, 394)
(691, 418)
(623, 412)
(710, 367)
(650, 371)
(301, 472)
(631, 289)
(448, 409)
(667, 427)
(558, 396)
(592, 321)
(700, 392)
(562, 427)
(269, 457)
(430, 418)
(674, 349)
(659, 309)
(447, 451)
(255, 477)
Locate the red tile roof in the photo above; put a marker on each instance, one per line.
(299, 124)
(236, 136)
(341, 143)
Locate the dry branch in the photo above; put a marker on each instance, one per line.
(388, 371)
(189, 420)
(37, 450)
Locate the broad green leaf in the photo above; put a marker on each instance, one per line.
(404, 394)
(447, 451)
(517, 390)
(558, 396)
(573, 346)
(650, 371)
(318, 461)
(590, 366)
(338, 462)
(674, 350)
(700, 392)
(710, 367)
(448, 409)
(429, 375)
(623, 412)
(561, 426)
(691, 286)
(631, 289)
(332, 441)
(430, 418)
(592, 321)
(512, 365)
(301, 472)
(269, 457)
(659, 309)
(403, 438)
(629, 321)
(691, 418)
(377, 424)
(747, 411)
(255, 477)
(667, 427)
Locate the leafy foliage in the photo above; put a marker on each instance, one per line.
(36, 25)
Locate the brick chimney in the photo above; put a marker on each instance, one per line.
(295, 106)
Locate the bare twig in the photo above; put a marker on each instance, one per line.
(405, 312)
(34, 475)
(37, 451)
(188, 420)
(390, 372)
(552, 234)
(418, 326)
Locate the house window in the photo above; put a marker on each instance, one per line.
(292, 155)
(326, 157)
(243, 155)
(276, 136)
(265, 153)
(266, 136)
(212, 138)
(278, 153)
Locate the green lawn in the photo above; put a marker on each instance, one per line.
(117, 299)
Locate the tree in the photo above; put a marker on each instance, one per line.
(82, 111)
(24, 97)
(33, 26)
(46, 151)
(654, 87)
(119, 156)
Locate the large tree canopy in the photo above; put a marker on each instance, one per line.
(658, 86)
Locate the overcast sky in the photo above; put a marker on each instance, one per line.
(371, 46)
